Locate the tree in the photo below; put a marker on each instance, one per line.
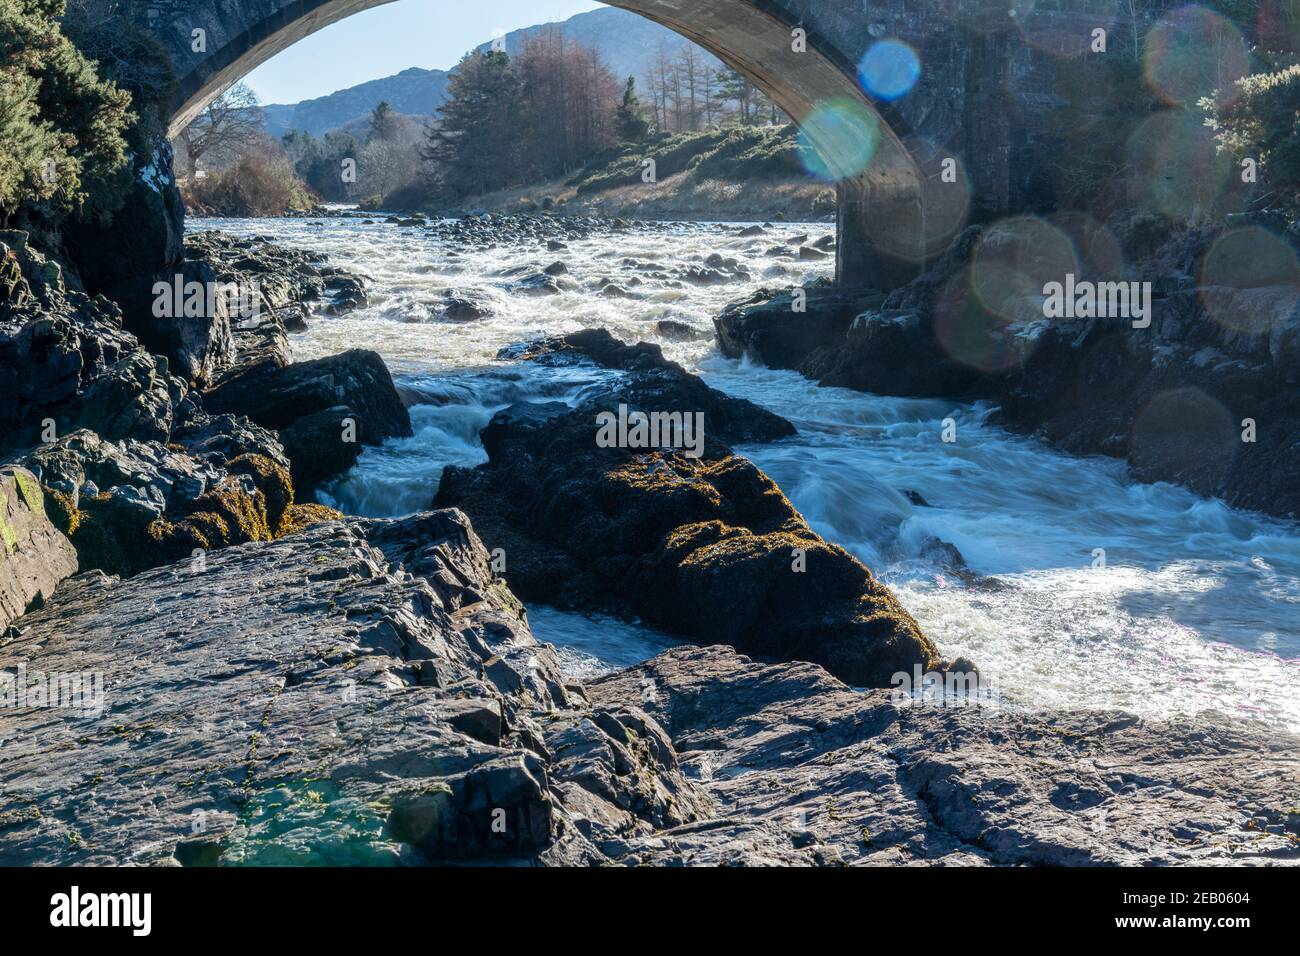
(384, 125)
(229, 125)
(476, 146)
(734, 87)
(319, 162)
(1261, 121)
(632, 125)
(692, 70)
(62, 127)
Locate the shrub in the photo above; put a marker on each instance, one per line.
(1262, 122)
(63, 150)
(259, 184)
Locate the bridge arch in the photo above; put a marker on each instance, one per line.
(882, 240)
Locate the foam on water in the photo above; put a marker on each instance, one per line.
(1197, 607)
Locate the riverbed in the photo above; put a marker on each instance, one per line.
(1089, 590)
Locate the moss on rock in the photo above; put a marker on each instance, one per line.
(298, 517)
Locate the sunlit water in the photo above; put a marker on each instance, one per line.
(1194, 607)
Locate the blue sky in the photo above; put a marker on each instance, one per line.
(388, 39)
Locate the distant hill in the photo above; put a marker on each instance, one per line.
(414, 92)
(628, 42)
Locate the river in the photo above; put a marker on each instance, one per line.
(1196, 606)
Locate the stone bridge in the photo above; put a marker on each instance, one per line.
(985, 85)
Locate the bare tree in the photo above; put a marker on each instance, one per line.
(691, 67)
(224, 130)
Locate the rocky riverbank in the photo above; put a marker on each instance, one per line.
(134, 427)
(1203, 393)
(367, 692)
(204, 667)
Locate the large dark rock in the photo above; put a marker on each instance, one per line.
(132, 505)
(896, 353)
(704, 547)
(1175, 408)
(65, 358)
(198, 346)
(324, 409)
(315, 450)
(277, 397)
(141, 245)
(767, 328)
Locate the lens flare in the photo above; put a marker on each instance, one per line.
(1250, 280)
(945, 194)
(838, 139)
(1177, 168)
(969, 332)
(1014, 260)
(889, 69)
(1191, 53)
(1100, 253)
(1184, 432)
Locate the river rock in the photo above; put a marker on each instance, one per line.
(896, 352)
(34, 555)
(132, 505)
(198, 346)
(277, 397)
(281, 275)
(704, 547)
(535, 284)
(315, 447)
(806, 771)
(465, 305)
(66, 358)
(123, 258)
(766, 327)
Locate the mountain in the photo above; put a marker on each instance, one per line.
(414, 92)
(628, 42)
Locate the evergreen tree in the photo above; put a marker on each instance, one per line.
(384, 125)
(632, 124)
(476, 148)
(62, 127)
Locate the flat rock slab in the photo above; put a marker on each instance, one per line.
(307, 701)
(365, 692)
(805, 770)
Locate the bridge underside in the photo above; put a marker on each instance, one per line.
(880, 221)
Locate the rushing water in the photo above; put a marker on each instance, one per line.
(1197, 606)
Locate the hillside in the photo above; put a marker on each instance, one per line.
(737, 173)
(413, 92)
(628, 42)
